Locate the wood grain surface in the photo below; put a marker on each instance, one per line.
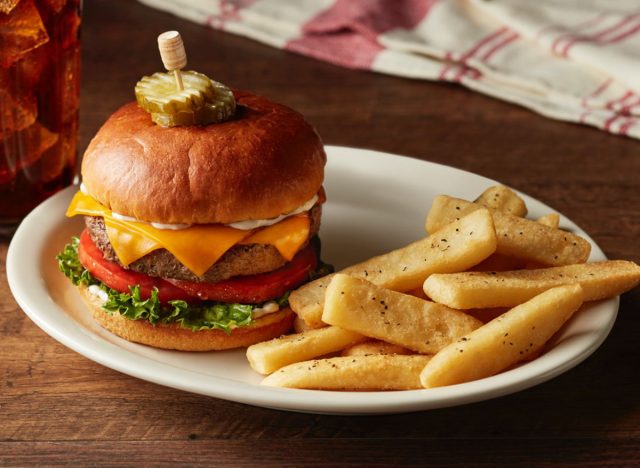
(57, 407)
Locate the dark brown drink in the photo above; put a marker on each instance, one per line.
(39, 101)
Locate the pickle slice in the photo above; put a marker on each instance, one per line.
(201, 102)
(158, 92)
(218, 111)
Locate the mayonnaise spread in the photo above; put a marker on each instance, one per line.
(242, 225)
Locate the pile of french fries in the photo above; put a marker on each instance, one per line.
(483, 292)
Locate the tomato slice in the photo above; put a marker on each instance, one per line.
(118, 278)
(258, 288)
(251, 289)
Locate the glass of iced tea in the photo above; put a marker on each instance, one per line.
(39, 100)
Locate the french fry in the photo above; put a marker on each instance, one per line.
(511, 203)
(487, 315)
(300, 325)
(552, 220)
(375, 347)
(517, 237)
(456, 247)
(503, 199)
(397, 318)
(501, 343)
(379, 372)
(471, 290)
(418, 292)
(269, 356)
(498, 262)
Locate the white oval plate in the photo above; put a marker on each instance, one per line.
(377, 202)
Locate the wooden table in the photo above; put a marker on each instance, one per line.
(57, 406)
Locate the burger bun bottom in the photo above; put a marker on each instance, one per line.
(172, 336)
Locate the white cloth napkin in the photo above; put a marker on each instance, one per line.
(573, 60)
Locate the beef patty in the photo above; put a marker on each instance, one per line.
(249, 259)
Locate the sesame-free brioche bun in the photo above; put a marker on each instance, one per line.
(172, 336)
(265, 161)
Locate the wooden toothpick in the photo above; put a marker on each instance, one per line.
(173, 55)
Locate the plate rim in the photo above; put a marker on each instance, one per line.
(146, 368)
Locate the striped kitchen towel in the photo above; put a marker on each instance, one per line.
(573, 60)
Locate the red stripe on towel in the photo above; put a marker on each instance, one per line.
(577, 28)
(508, 40)
(599, 90)
(370, 18)
(610, 121)
(475, 74)
(611, 104)
(346, 49)
(469, 53)
(347, 33)
(229, 11)
(599, 37)
(624, 35)
(626, 110)
(624, 128)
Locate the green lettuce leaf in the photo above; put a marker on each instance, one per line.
(71, 267)
(132, 306)
(219, 316)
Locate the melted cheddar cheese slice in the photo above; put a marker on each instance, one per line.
(197, 247)
(287, 236)
(128, 245)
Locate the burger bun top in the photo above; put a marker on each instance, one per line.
(264, 162)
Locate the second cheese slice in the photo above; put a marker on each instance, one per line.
(287, 236)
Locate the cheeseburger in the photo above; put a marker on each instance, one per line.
(196, 234)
